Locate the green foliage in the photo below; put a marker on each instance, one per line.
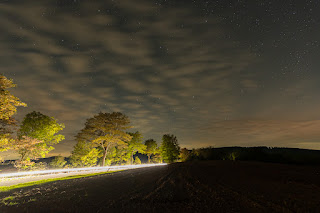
(122, 156)
(36, 136)
(110, 157)
(41, 127)
(170, 149)
(137, 160)
(151, 147)
(106, 130)
(9, 201)
(157, 156)
(135, 144)
(58, 162)
(8, 107)
(84, 155)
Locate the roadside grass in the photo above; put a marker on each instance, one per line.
(39, 182)
(8, 201)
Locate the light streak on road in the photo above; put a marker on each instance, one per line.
(77, 170)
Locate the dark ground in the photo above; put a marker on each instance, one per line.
(207, 186)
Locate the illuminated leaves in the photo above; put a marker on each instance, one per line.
(30, 148)
(170, 148)
(135, 144)
(58, 162)
(36, 135)
(8, 102)
(106, 130)
(84, 154)
(4, 142)
(42, 127)
(151, 147)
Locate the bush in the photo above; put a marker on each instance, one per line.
(137, 160)
(23, 164)
(232, 156)
(29, 165)
(84, 155)
(58, 162)
(39, 166)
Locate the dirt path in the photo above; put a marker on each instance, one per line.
(216, 186)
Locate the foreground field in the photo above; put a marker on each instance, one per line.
(212, 186)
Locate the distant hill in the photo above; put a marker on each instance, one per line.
(261, 154)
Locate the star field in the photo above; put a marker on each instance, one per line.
(214, 73)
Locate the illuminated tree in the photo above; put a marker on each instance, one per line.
(170, 149)
(135, 144)
(151, 147)
(37, 126)
(8, 102)
(106, 130)
(8, 107)
(42, 127)
(84, 154)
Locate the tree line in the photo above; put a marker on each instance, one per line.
(260, 154)
(105, 137)
(104, 140)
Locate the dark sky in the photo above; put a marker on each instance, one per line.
(214, 73)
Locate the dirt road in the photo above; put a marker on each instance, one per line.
(212, 186)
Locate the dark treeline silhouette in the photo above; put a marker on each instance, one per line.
(261, 154)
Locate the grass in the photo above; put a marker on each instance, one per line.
(22, 185)
(8, 198)
(8, 201)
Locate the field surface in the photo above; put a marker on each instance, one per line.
(208, 186)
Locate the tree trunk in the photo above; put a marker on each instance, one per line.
(104, 157)
(132, 158)
(149, 158)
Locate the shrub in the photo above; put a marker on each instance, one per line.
(58, 162)
(30, 165)
(137, 160)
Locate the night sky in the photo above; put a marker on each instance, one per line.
(214, 73)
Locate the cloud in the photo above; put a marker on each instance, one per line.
(277, 133)
(165, 67)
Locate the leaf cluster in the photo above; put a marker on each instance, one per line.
(42, 127)
(106, 129)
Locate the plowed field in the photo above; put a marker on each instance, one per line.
(208, 186)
